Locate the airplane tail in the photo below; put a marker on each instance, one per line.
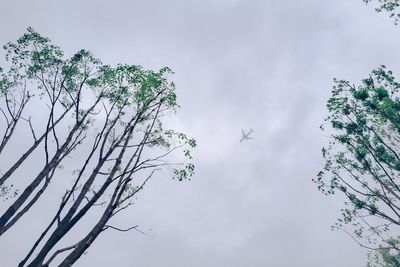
(251, 130)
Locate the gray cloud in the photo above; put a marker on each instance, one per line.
(262, 64)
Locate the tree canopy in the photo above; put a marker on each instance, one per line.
(110, 118)
(362, 160)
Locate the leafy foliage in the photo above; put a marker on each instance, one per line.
(384, 257)
(389, 6)
(362, 160)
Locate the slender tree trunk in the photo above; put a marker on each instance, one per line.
(68, 222)
(7, 175)
(35, 183)
(88, 240)
(13, 209)
(85, 243)
(29, 190)
(26, 208)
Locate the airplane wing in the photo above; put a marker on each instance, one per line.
(243, 134)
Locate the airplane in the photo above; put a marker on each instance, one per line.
(246, 137)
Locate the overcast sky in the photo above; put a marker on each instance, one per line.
(265, 64)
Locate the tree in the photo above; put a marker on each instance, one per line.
(362, 160)
(114, 117)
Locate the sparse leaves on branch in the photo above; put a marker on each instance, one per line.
(392, 7)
